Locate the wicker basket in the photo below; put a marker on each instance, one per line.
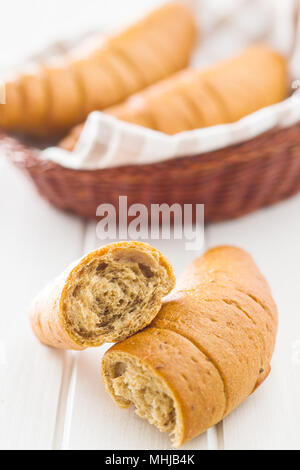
(230, 182)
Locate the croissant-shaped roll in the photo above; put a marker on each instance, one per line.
(208, 349)
(54, 98)
(108, 295)
(192, 99)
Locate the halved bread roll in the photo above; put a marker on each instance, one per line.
(208, 349)
(193, 99)
(108, 295)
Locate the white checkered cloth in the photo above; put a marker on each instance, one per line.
(227, 27)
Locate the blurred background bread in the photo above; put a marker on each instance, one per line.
(193, 99)
(55, 97)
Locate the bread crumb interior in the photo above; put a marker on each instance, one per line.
(113, 296)
(132, 383)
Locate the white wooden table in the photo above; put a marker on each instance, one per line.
(56, 400)
(52, 399)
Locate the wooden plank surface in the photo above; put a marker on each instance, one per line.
(37, 242)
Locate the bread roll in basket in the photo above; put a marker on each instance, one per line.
(231, 176)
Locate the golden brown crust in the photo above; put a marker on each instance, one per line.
(65, 98)
(193, 99)
(48, 315)
(194, 383)
(11, 116)
(223, 307)
(46, 319)
(256, 78)
(123, 64)
(35, 99)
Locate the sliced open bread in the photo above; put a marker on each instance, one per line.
(108, 295)
(206, 351)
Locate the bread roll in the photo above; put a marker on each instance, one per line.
(207, 350)
(192, 99)
(54, 98)
(108, 295)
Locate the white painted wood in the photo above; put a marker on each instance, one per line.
(30, 380)
(37, 242)
(269, 419)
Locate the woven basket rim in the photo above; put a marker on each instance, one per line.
(29, 157)
(230, 182)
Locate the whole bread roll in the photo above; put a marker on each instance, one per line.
(207, 350)
(108, 295)
(52, 99)
(192, 99)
